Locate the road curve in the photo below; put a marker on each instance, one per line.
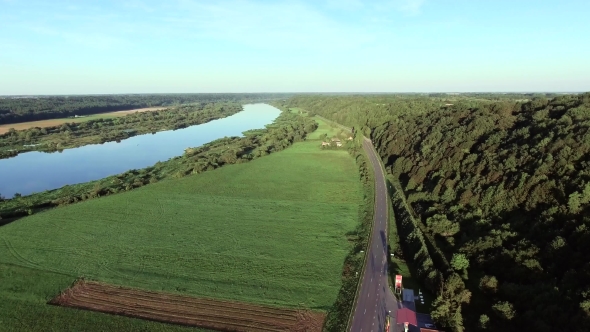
(375, 298)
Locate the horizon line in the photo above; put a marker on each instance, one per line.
(291, 92)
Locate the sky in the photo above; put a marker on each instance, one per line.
(199, 46)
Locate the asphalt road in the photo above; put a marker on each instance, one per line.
(375, 299)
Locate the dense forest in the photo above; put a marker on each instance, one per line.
(31, 108)
(499, 189)
(283, 132)
(97, 131)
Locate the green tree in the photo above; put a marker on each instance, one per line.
(447, 305)
(459, 262)
(449, 195)
(484, 320)
(574, 203)
(585, 196)
(488, 284)
(439, 224)
(504, 309)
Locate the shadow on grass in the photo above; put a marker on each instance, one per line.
(16, 215)
(6, 221)
(394, 268)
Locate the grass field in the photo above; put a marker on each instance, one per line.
(324, 128)
(271, 231)
(56, 122)
(298, 110)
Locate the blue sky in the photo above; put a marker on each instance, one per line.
(141, 46)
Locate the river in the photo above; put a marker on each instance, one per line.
(33, 172)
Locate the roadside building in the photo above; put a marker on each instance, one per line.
(408, 320)
(406, 317)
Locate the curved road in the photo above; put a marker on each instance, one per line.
(375, 298)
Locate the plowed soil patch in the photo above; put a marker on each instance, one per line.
(184, 310)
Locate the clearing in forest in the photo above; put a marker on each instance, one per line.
(271, 232)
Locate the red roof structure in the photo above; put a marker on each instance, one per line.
(405, 315)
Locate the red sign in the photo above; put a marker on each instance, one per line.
(398, 284)
(398, 281)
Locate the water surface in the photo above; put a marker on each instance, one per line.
(32, 172)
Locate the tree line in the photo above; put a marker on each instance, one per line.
(101, 130)
(32, 108)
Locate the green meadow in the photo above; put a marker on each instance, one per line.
(271, 231)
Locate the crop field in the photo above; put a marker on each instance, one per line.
(56, 122)
(189, 311)
(269, 232)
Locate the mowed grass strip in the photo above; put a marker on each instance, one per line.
(271, 231)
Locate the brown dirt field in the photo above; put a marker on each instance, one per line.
(183, 310)
(56, 122)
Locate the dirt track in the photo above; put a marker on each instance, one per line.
(184, 310)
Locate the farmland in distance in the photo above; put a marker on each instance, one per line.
(4, 128)
(271, 232)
